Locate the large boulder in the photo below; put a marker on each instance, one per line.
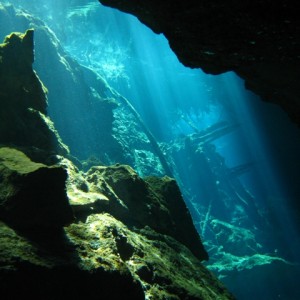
(153, 202)
(32, 195)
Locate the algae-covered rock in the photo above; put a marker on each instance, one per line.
(23, 100)
(118, 247)
(128, 239)
(32, 194)
(165, 268)
(156, 202)
(80, 101)
(50, 269)
(102, 258)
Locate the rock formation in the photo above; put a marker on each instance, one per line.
(109, 129)
(110, 228)
(81, 91)
(23, 99)
(126, 234)
(257, 40)
(105, 233)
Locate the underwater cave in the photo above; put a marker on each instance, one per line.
(149, 150)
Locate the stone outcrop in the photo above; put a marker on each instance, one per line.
(257, 40)
(32, 195)
(109, 129)
(153, 202)
(163, 267)
(120, 237)
(103, 258)
(48, 269)
(23, 98)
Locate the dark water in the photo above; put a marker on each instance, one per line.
(235, 157)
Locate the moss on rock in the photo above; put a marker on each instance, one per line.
(23, 100)
(32, 195)
(116, 244)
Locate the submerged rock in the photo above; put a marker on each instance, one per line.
(165, 268)
(130, 247)
(74, 90)
(154, 202)
(23, 98)
(53, 272)
(32, 195)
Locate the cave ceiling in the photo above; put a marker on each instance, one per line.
(258, 40)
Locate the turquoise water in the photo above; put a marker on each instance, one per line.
(234, 156)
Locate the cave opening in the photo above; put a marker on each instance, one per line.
(234, 156)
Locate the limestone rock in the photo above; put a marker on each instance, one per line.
(73, 90)
(125, 234)
(167, 190)
(32, 195)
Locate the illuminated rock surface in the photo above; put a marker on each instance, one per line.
(99, 251)
(23, 98)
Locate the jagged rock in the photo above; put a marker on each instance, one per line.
(54, 271)
(106, 130)
(103, 258)
(258, 40)
(155, 202)
(168, 191)
(165, 268)
(32, 195)
(93, 256)
(23, 98)
(73, 90)
(139, 254)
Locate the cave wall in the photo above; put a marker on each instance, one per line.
(259, 40)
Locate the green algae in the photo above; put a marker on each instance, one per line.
(16, 160)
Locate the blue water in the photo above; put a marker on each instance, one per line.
(141, 67)
(175, 102)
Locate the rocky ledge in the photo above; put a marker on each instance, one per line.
(117, 235)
